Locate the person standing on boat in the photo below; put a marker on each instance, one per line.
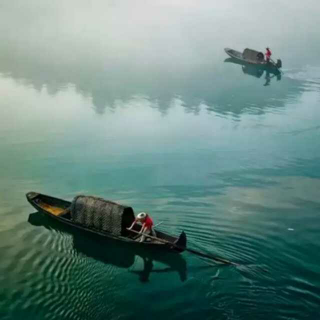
(147, 225)
(268, 55)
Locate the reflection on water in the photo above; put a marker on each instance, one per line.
(116, 253)
(269, 77)
(131, 100)
(157, 53)
(215, 86)
(257, 71)
(217, 90)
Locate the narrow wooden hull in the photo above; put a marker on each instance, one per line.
(238, 58)
(57, 209)
(117, 253)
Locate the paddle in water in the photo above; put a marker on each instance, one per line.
(198, 253)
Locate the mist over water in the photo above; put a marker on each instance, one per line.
(133, 101)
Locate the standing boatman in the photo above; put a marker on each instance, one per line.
(268, 55)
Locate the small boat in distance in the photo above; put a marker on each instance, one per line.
(254, 57)
(104, 218)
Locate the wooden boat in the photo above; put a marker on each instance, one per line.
(104, 218)
(250, 56)
(116, 253)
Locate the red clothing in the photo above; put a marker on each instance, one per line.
(268, 54)
(148, 223)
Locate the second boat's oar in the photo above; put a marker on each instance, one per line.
(198, 253)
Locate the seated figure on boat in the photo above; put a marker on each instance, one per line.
(147, 225)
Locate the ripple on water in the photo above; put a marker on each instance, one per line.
(56, 277)
(45, 268)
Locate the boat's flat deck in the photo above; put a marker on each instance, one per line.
(56, 211)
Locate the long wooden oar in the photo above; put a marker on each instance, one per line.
(198, 253)
(138, 236)
(158, 224)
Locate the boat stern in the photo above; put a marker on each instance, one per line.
(279, 64)
(182, 241)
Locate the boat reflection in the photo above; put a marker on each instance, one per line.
(122, 255)
(257, 71)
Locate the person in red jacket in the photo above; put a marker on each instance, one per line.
(147, 225)
(268, 55)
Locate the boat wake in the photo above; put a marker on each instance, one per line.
(308, 74)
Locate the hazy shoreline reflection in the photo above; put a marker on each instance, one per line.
(116, 55)
(216, 91)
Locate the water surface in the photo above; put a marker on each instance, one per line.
(132, 101)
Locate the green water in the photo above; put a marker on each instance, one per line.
(132, 101)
